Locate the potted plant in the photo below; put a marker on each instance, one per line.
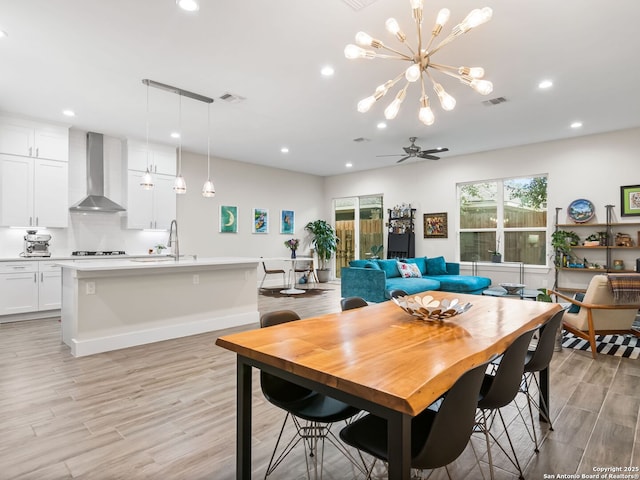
(496, 256)
(562, 241)
(325, 242)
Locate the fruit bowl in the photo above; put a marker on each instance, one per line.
(512, 288)
(427, 308)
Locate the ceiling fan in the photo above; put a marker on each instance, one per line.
(414, 150)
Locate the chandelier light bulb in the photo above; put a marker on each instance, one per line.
(473, 72)
(476, 17)
(365, 40)
(412, 74)
(393, 27)
(426, 115)
(365, 104)
(443, 17)
(415, 4)
(179, 185)
(483, 87)
(392, 110)
(353, 52)
(447, 102)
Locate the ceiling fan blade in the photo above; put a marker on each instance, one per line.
(428, 157)
(394, 155)
(435, 150)
(403, 159)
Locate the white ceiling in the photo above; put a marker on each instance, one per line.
(91, 56)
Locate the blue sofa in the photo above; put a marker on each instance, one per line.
(372, 279)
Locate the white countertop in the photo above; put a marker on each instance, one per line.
(153, 262)
(55, 258)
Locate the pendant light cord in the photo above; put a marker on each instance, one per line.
(209, 142)
(180, 135)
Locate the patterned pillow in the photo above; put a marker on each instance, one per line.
(409, 270)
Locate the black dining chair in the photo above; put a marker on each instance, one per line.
(397, 292)
(498, 389)
(536, 360)
(439, 434)
(311, 412)
(352, 302)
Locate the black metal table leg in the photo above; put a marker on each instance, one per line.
(243, 421)
(399, 446)
(543, 394)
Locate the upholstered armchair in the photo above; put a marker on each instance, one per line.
(600, 313)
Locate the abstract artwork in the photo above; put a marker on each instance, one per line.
(630, 200)
(287, 218)
(260, 220)
(435, 225)
(228, 219)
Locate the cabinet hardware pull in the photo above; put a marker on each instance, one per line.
(31, 221)
(37, 151)
(35, 278)
(30, 151)
(41, 277)
(21, 267)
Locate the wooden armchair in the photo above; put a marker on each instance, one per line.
(599, 313)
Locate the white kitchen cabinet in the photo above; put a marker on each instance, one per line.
(33, 139)
(49, 286)
(33, 192)
(162, 159)
(19, 287)
(150, 209)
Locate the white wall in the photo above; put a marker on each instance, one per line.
(591, 167)
(245, 186)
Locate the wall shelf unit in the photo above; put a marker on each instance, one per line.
(401, 227)
(607, 258)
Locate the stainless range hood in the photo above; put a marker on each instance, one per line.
(95, 201)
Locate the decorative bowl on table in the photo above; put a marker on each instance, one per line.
(512, 288)
(427, 308)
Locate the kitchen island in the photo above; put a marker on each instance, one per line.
(113, 304)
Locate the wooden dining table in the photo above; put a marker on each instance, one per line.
(380, 359)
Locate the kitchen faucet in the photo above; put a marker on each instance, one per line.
(173, 243)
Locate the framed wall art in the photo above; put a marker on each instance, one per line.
(287, 219)
(260, 220)
(228, 219)
(435, 225)
(630, 201)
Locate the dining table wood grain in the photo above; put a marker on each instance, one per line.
(380, 358)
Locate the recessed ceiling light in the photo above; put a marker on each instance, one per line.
(188, 5)
(69, 113)
(327, 71)
(576, 124)
(3, 34)
(284, 150)
(348, 165)
(382, 125)
(545, 84)
(175, 135)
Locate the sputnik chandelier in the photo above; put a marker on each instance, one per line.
(421, 60)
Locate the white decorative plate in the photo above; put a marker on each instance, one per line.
(581, 210)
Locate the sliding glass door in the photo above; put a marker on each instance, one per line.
(359, 226)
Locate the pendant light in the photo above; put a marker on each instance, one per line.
(208, 190)
(147, 180)
(179, 185)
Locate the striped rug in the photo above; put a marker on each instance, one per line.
(626, 346)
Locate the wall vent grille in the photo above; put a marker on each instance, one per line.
(494, 101)
(358, 4)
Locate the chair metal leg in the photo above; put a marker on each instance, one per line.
(484, 425)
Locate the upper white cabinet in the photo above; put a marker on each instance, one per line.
(28, 138)
(33, 192)
(150, 209)
(161, 159)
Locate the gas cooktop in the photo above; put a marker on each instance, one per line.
(86, 253)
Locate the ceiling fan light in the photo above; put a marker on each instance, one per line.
(208, 190)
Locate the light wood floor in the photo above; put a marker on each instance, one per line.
(167, 411)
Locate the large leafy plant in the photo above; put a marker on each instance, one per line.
(323, 239)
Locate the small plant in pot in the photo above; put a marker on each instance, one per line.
(325, 242)
(496, 256)
(562, 242)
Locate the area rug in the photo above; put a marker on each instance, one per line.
(626, 346)
(275, 292)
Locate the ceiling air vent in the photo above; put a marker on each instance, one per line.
(361, 139)
(358, 4)
(231, 98)
(494, 101)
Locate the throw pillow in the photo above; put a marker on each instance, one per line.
(576, 308)
(372, 265)
(358, 263)
(390, 268)
(436, 266)
(409, 270)
(421, 262)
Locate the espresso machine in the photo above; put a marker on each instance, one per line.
(36, 244)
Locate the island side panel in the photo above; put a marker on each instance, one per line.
(139, 306)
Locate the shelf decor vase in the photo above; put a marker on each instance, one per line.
(293, 254)
(496, 258)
